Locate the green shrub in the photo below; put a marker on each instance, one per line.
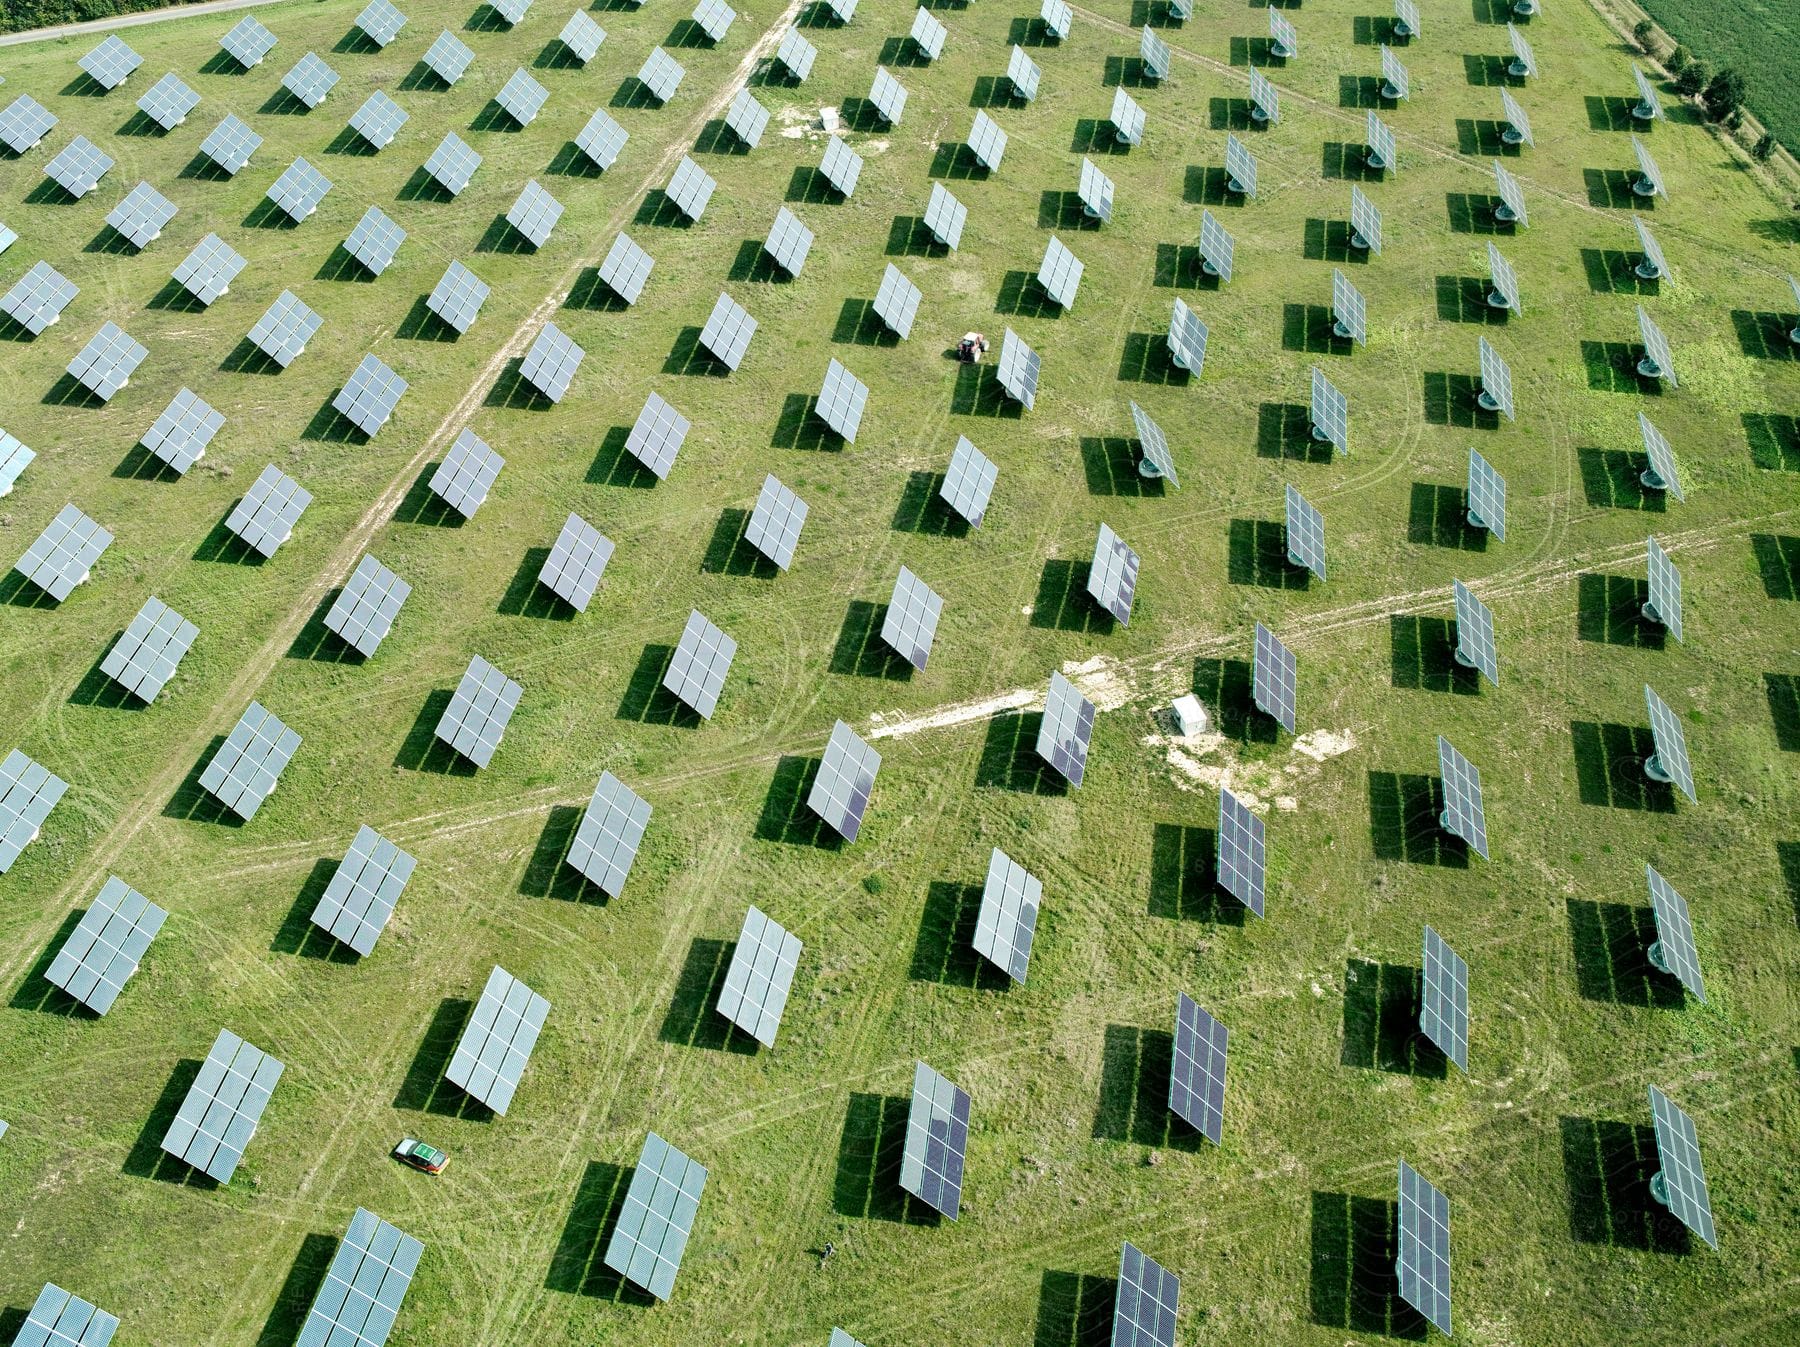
(1693, 78)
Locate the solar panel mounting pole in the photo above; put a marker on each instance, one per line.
(1487, 401)
(1649, 369)
(1654, 769)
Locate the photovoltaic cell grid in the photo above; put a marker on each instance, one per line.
(59, 1318)
(223, 1106)
(1379, 137)
(928, 34)
(775, 523)
(266, 516)
(1284, 42)
(28, 793)
(140, 217)
(364, 611)
(245, 770)
(844, 10)
(1648, 109)
(690, 188)
(78, 167)
(374, 241)
(150, 651)
(912, 618)
(1524, 62)
(1665, 589)
(1475, 634)
(62, 555)
(110, 63)
(1463, 815)
(842, 166)
(788, 242)
(1197, 1076)
(728, 330)
(1187, 346)
(1444, 1004)
(208, 271)
(797, 54)
(1066, 730)
(1365, 221)
(1505, 282)
(1153, 52)
(25, 123)
(1127, 118)
(581, 36)
(747, 118)
(1517, 121)
(1019, 369)
(611, 830)
(15, 457)
(369, 398)
(1683, 1176)
(1512, 198)
(1060, 273)
(1148, 1297)
(364, 1287)
(522, 97)
(1674, 950)
(937, 1141)
(1240, 166)
(1095, 191)
(107, 362)
(1396, 82)
(1349, 309)
(1487, 496)
(1330, 412)
(7, 238)
(1650, 178)
(168, 102)
(1424, 1262)
(1265, 101)
(458, 296)
(381, 22)
(310, 80)
(1152, 443)
(1655, 265)
(842, 397)
(1496, 381)
(888, 96)
(897, 301)
(945, 216)
(656, 437)
(760, 976)
(661, 74)
(38, 298)
(102, 952)
(1406, 15)
(283, 331)
(230, 144)
(658, 1217)
(356, 905)
(1670, 762)
(1216, 247)
(475, 720)
(576, 562)
(299, 190)
(846, 778)
(714, 18)
(987, 142)
(248, 42)
(1657, 363)
(602, 139)
(550, 365)
(513, 11)
(1274, 678)
(1112, 577)
(702, 660)
(534, 213)
(496, 1043)
(378, 120)
(969, 483)
(1663, 476)
(1241, 865)
(1023, 74)
(448, 57)
(1008, 918)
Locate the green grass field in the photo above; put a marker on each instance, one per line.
(1280, 1236)
(1760, 38)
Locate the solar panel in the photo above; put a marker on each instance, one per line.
(1524, 63)
(927, 34)
(746, 118)
(106, 363)
(1112, 577)
(602, 139)
(1019, 369)
(458, 296)
(448, 57)
(728, 331)
(1496, 381)
(1095, 192)
(550, 364)
(1680, 1184)
(1156, 460)
(1462, 815)
(1059, 273)
(378, 120)
(364, 1287)
(1023, 74)
(110, 63)
(284, 329)
(28, 793)
(25, 123)
(248, 42)
(1305, 534)
(78, 167)
(1674, 950)
(1058, 18)
(1649, 182)
(1406, 19)
(888, 96)
(1647, 108)
(1240, 167)
(1664, 604)
(208, 271)
(912, 618)
(1197, 1076)
(1067, 729)
(1008, 917)
(1444, 1004)
(1216, 245)
(576, 562)
(987, 142)
(661, 74)
(369, 398)
(774, 525)
(714, 18)
(760, 976)
(1661, 474)
(264, 519)
(1349, 310)
(897, 301)
(310, 80)
(1154, 53)
(842, 166)
(59, 1318)
(690, 188)
(1330, 412)
(969, 483)
(702, 660)
(140, 217)
(299, 190)
(658, 1217)
(1503, 283)
(513, 11)
(534, 213)
(102, 952)
(1396, 82)
(367, 605)
(844, 10)
(1127, 118)
(937, 1141)
(797, 54)
(15, 457)
(522, 97)
(249, 764)
(7, 237)
(496, 1043)
(1656, 363)
(1423, 1266)
(360, 898)
(1274, 678)
(230, 144)
(581, 36)
(1365, 222)
(1511, 209)
(611, 831)
(64, 553)
(180, 435)
(1241, 864)
(475, 720)
(788, 241)
(381, 22)
(218, 1117)
(1475, 634)
(1654, 266)
(1187, 347)
(1487, 496)
(656, 436)
(847, 772)
(1669, 764)
(945, 216)
(1265, 102)
(1144, 1310)
(1284, 44)
(168, 102)
(374, 241)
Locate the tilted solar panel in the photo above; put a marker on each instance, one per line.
(1661, 475)
(1060, 273)
(1058, 17)
(448, 57)
(701, 662)
(969, 482)
(1406, 19)
(1669, 765)
(248, 766)
(1518, 122)
(496, 1043)
(1681, 1182)
(602, 139)
(1241, 864)
(360, 898)
(105, 365)
(248, 42)
(1664, 604)
(1649, 182)
(481, 707)
(299, 190)
(522, 97)
(657, 1218)
(1154, 55)
(842, 166)
(1126, 119)
(374, 240)
(888, 96)
(847, 772)
(368, 399)
(15, 457)
(101, 954)
(78, 167)
(1066, 731)
(283, 331)
(1524, 60)
(797, 54)
(264, 519)
(576, 563)
(1444, 1002)
(1654, 266)
(381, 22)
(1330, 413)
(168, 102)
(788, 241)
(1148, 1297)
(1396, 81)
(1475, 646)
(1504, 281)
(1007, 921)
(110, 63)
(582, 37)
(746, 118)
(364, 1287)
(1112, 576)
(937, 1141)
(230, 144)
(208, 271)
(945, 216)
(728, 330)
(1216, 247)
(927, 34)
(987, 141)
(550, 365)
(775, 523)
(661, 74)
(609, 835)
(180, 435)
(1486, 496)
(1240, 167)
(28, 792)
(310, 80)
(1656, 363)
(1674, 951)
(1463, 815)
(1187, 342)
(1274, 678)
(1023, 74)
(60, 1318)
(1647, 108)
(140, 217)
(656, 437)
(1423, 1265)
(760, 976)
(912, 618)
(1265, 101)
(1019, 369)
(1197, 1074)
(1284, 43)
(220, 1114)
(1496, 381)
(1365, 222)
(64, 553)
(842, 398)
(714, 18)
(1157, 461)
(897, 302)
(25, 123)
(363, 613)
(458, 296)
(1349, 310)
(690, 188)
(378, 120)
(534, 214)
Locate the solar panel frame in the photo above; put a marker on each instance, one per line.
(374, 240)
(1007, 921)
(656, 436)
(746, 118)
(1145, 1306)
(1486, 496)
(1444, 1001)
(284, 329)
(1683, 1177)
(364, 1286)
(28, 792)
(700, 665)
(1524, 61)
(602, 139)
(1305, 534)
(1423, 1265)
(1060, 273)
(1112, 576)
(928, 34)
(1349, 310)
(248, 765)
(475, 721)
(1217, 248)
(264, 519)
(788, 241)
(1197, 1073)
(497, 1042)
(1674, 951)
(609, 835)
(1648, 108)
(842, 10)
(582, 37)
(1654, 266)
(207, 272)
(60, 1318)
(945, 216)
(179, 436)
(1265, 99)
(1657, 362)
(1284, 42)
(248, 42)
(378, 120)
(1463, 815)
(1475, 644)
(1274, 678)
(888, 96)
(448, 57)
(968, 484)
(1365, 222)
(1023, 74)
(311, 80)
(231, 144)
(110, 63)
(223, 1107)
(727, 331)
(987, 141)
(797, 54)
(1496, 381)
(105, 365)
(458, 296)
(1396, 80)
(1127, 118)
(1154, 55)
(1669, 764)
(299, 190)
(841, 165)
(910, 624)
(897, 302)
(1187, 339)
(1240, 167)
(1518, 121)
(1383, 151)
(513, 11)
(534, 213)
(78, 167)
(1058, 17)
(25, 123)
(102, 953)
(15, 457)
(64, 553)
(1155, 460)
(551, 363)
(1330, 412)
(1650, 178)
(1512, 198)
(1095, 191)
(8, 237)
(380, 22)
(690, 188)
(773, 528)
(1503, 282)
(937, 1139)
(1067, 730)
(1019, 369)
(150, 650)
(1663, 607)
(657, 1219)
(370, 395)
(522, 97)
(1406, 16)
(847, 773)
(759, 977)
(714, 18)
(363, 613)
(168, 102)
(368, 882)
(626, 268)
(576, 563)
(1661, 475)
(661, 74)
(1241, 864)
(140, 217)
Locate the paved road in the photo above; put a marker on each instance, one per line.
(128, 20)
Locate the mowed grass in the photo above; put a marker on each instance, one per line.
(1759, 38)
(1281, 1235)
